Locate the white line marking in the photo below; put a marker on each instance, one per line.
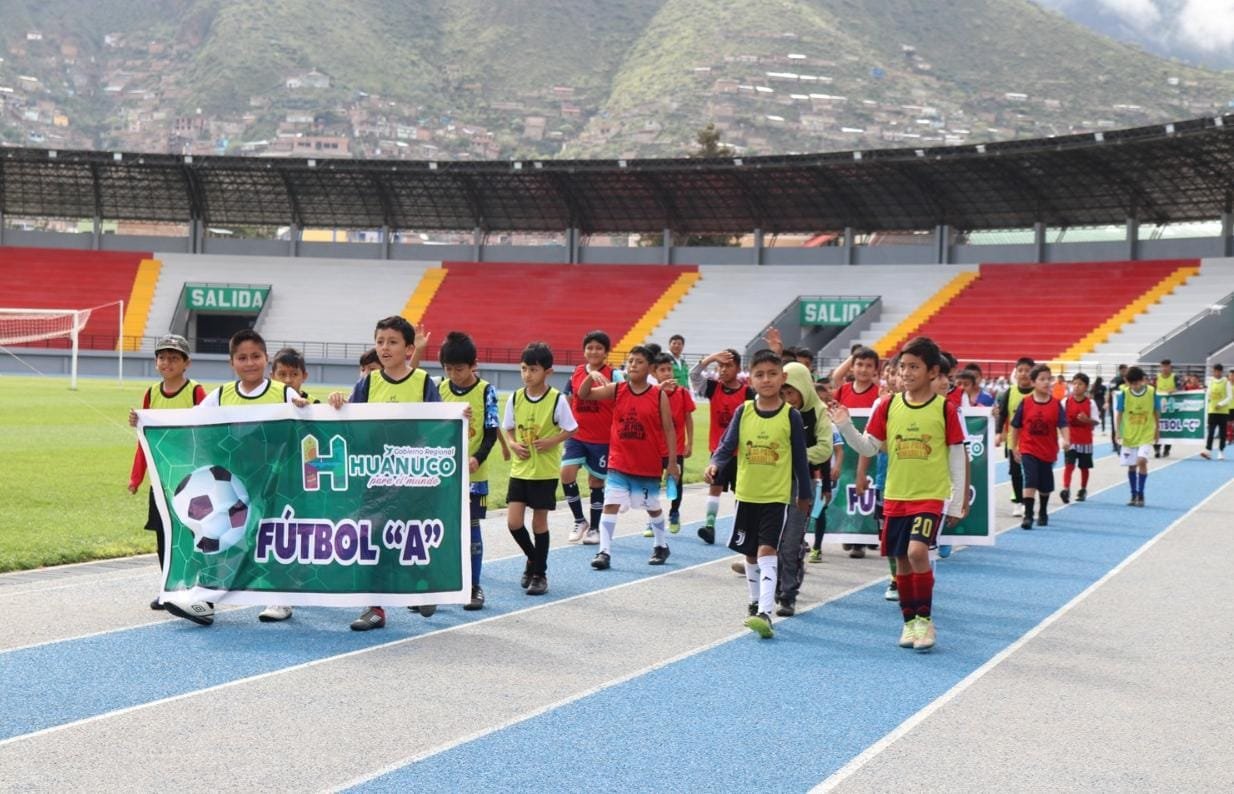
(853, 766)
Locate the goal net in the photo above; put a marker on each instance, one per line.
(27, 327)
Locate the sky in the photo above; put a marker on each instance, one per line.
(1192, 29)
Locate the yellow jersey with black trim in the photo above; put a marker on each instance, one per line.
(764, 456)
(1137, 426)
(183, 398)
(917, 457)
(410, 389)
(275, 393)
(474, 396)
(533, 420)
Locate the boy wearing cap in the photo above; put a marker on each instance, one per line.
(176, 390)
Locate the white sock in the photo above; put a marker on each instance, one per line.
(713, 509)
(608, 525)
(769, 572)
(657, 528)
(752, 579)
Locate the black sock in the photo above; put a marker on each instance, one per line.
(1044, 498)
(597, 506)
(523, 539)
(570, 489)
(161, 545)
(820, 527)
(1028, 508)
(541, 549)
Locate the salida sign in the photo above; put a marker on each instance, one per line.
(832, 311)
(226, 298)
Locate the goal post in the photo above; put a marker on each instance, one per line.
(27, 326)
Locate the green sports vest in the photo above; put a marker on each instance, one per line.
(275, 393)
(408, 390)
(1136, 422)
(181, 399)
(764, 456)
(535, 419)
(475, 426)
(1167, 384)
(1217, 391)
(917, 465)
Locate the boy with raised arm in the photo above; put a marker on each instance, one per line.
(726, 392)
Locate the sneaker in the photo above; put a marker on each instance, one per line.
(592, 538)
(648, 532)
(1139, 500)
(1132, 501)
(857, 552)
(908, 635)
(760, 624)
(1221, 454)
(526, 578)
(426, 610)
(1081, 495)
(580, 529)
(1027, 523)
(1018, 510)
(601, 561)
(786, 609)
(1156, 453)
(892, 593)
(1205, 454)
(659, 555)
(199, 612)
(1043, 520)
(752, 608)
(944, 551)
(371, 618)
(925, 635)
(816, 555)
(708, 534)
(274, 614)
(477, 599)
(674, 523)
(738, 567)
(157, 605)
(846, 546)
(1065, 495)
(539, 584)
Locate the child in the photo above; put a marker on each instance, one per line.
(1035, 428)
(767, 439)
(588, 447)
(1081, 418)
(1136, 419)
(827, 473)
(862, 479)
(538, 419)
(681, 407)
(247, 353)
(726, 392)
(681, 372)
(369, 362)
(922, 476)
(971, 393)
(1220, 396)
(1008, 402)
(863, 391)
(288, 367)
(642, 427)
(460, 384)
(395, 382)
(171, 359)
(799, 393)
(1167, 383)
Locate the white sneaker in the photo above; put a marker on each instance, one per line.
(274, 614)
(592, 538)
(1017, 510)
(1221, 454)
(892, 593)
(199, 612)
(576, 534)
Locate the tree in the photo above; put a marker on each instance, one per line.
(708, 143)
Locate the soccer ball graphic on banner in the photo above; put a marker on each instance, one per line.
(215, 506)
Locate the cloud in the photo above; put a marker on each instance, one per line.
(1207, 25)
(1140, 14)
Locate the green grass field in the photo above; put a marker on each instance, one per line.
(67, 457)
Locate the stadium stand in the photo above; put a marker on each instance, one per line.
(52, 278)
(507, 305)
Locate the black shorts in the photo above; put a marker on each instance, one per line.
(1038, 474)
(479, 506)
(898, 531)
(1083, 459)
(536, 494)
(758, 525)
(154, 521)
(823, 470)
(726, 477)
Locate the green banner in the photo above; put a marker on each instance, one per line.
(312, 506)
(850, 516)
(832, 311)
(226, 298)
(1183, 416)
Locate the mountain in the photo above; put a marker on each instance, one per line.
(440, 79)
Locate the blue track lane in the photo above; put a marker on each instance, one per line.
(784, 714)
(75, 679)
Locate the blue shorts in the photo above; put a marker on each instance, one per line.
(898, 531)
(593, 457)
(628, 491)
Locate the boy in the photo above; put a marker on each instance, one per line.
(288, 367)
(369, 362)
(922, 476)
(461, 384)
(681, 372)
(971, 393)
(726, 392)
(537, 420)
(863, 391)
(395, 382)
(1008, 402)
(1035, 428)
(681, 408)
(1136, 419)
(822, 388)
(642, 427)
(588, 447)
(1167, 383)
(247, 353)
(1081, 414)
(767, 439)
(176, 390)
(1116, 384)
(799, 393)
(1220, 396)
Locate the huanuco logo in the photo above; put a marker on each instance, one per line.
(396, 466)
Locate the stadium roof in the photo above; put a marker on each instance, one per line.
(1161, 174)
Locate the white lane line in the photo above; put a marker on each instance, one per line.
(846, 771)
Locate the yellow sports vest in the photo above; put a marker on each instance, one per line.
(1167, 384)
(535, 419)
(408, 390)
(275, 393)
(1217, 391)
(764, 456)
(181, 399)
(1136, 421)
(1014, 398)
(917, 465)
(475, 426)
